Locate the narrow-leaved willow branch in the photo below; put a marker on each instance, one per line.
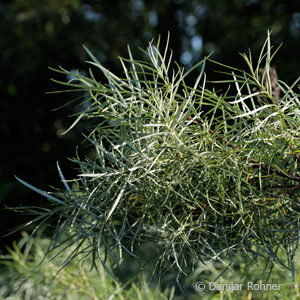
(202, 172)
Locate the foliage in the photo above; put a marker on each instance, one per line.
(242, 272)
(202, 173)
(23, 276)
(50, 32)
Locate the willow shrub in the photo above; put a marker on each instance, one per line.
(200, 172)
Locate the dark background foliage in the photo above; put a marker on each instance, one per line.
(36, 34)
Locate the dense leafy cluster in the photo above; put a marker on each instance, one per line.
(201, 172)
(24, 277)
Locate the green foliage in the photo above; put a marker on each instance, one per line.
(244, 271)
(50, 32)
(23, 276)
(202, 173)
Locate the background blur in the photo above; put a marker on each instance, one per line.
(36, 34)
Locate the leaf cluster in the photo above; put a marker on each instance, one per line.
(201, 172)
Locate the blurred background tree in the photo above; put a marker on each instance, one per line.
(36, 34)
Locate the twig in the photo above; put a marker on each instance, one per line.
(264, 165)
(297, 156)
(291, 190)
